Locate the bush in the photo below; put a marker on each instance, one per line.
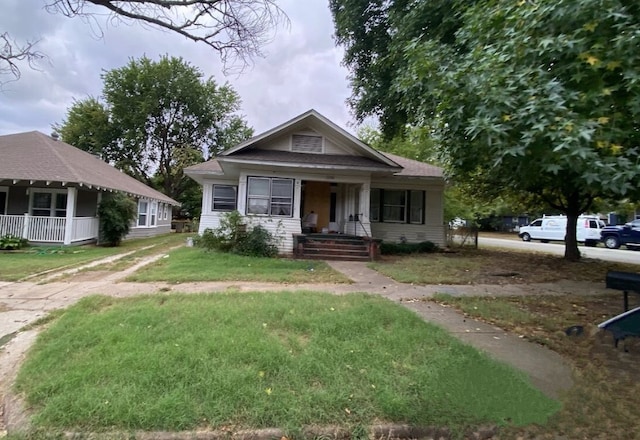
(116, 214)
(408, 248)
(232, 236)
(12, 242)
(258, 242)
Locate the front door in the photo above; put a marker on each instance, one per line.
(317, 198)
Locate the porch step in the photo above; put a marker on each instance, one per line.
(334, 247)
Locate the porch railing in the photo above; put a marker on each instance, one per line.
(48, 229)
(84, 228)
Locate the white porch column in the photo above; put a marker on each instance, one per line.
(297, 198)
(71, 213)
(363, 209)
(25, 226)
(242, 194)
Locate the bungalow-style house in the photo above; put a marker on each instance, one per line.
(309, 168)
(50, 191)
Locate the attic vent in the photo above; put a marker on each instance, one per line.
(304, 143)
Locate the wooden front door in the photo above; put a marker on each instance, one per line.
(317, 198)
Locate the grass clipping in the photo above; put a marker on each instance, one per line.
(256, 360)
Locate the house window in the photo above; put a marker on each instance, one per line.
(49, 204)
(165, 216)
(154, 207)
(374, 205)
(416, 207)
(396, 206)
(143, 207)
(304, 143)
(270, 196)
(224, 198)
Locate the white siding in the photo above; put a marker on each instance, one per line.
(433, 230)
(393, 232)
(148, 232)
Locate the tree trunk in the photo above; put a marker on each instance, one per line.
(571, 251)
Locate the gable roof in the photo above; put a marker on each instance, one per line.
(312, 118)
(35, 156)
(414, 168)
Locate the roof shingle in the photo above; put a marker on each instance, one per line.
(36, 156)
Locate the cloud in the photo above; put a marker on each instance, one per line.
(301, 68)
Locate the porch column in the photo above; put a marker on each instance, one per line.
(363, 209)
(71, 213)
(242, 195)
(297, 198)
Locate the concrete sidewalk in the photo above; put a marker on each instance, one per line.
(23, 303)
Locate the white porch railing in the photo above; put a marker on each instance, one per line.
(11, 225)
(48, 229)
(44, 229)
(84, 228)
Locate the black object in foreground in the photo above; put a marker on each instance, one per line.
(623, 325)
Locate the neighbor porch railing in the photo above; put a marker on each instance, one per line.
(49, 229)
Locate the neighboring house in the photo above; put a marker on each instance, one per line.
(309, 164)
(50, 191)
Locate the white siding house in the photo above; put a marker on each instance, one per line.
(309, 164)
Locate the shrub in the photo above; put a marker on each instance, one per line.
(407, 248)
(12, 242)
(258, 242)
(116, 214)
(232, 236)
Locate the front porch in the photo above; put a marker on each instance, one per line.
(50, 230)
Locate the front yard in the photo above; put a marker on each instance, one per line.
(255, 360)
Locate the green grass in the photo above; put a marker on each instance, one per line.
(492, 266)
(255, 360)
(18, 265)
(194, 264)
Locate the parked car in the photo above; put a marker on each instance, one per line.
(554, 227)
(615, 236)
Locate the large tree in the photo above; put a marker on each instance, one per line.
(534, 98)
(157, 118)
(236, 29)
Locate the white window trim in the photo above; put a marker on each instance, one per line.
(52, 208)
(213, 199)
(269, 198)
(146, 214)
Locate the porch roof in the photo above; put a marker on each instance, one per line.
(34, 156)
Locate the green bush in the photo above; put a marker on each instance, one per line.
(12, 242)
(232, 236)
(258, 242)
(116, 214)
(407, 248)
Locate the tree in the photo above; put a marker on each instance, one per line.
(236, 29)
(534, 98)
(374, 34)
(88, 127)
(157, 118)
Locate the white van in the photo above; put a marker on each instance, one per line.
(554, 227)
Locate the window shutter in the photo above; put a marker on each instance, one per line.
(303, 143)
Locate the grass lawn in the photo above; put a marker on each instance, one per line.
(490, 266)
(17, 265)
(195, 264)
(603, 404)
(254, 360)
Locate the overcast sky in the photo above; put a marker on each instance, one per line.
(301, 69)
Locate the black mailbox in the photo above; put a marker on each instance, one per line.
(625, 281)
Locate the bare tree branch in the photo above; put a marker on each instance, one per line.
(236, 29)
(11, 53)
